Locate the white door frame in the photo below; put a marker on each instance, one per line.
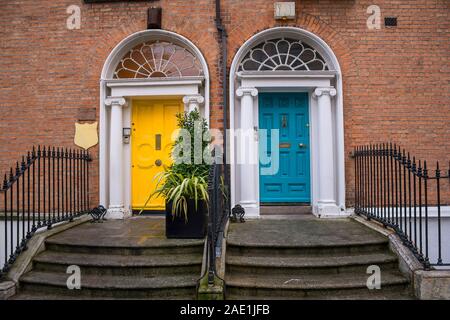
(119, 93)
(326, 86)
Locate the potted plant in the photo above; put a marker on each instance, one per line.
(184, 184)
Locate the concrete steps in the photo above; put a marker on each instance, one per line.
(332, 264)
(116, 266)
(305, 250)
(269, 264)
(310, 286)
(119, 265)
(130, 287)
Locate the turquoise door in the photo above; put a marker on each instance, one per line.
(289, 113)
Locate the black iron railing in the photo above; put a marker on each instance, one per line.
(218, 213)
(48, 186)
(402, 193)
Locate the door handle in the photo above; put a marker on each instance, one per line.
(158, 162)
(302, 145)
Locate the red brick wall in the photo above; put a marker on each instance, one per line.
(396, 81)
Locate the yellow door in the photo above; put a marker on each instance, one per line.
(153, 122)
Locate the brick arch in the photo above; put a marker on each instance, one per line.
(100, 52)
(309, 23)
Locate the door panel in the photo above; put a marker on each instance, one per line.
(153, 123)
(289, 113)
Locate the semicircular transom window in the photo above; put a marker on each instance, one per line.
(283, 54)
(158, 59)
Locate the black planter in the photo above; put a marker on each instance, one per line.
(195, 226)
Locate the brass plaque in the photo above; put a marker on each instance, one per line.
(285, 145)
(86, 135)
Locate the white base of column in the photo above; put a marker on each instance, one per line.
(251, 209)
(117, 213)
(328, 210)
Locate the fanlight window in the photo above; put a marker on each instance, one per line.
(282, 54)
(158, 59)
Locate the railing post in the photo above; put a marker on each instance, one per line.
(39, 187)
(22, 171)
(419, 175)
(425, 181)
(414, 170)
(385, 184)
(409, 197)
(16, 178)
(5, 211)
(11, 217)
(438, 195)
(33, 156)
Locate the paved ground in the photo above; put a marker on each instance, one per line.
(308, 231)
(133, 232)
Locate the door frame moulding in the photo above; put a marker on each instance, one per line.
(140, 88)
(277, 81)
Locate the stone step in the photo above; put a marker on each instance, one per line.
(93, 286)
(313, 286)
(119, 265)
(285, 210)
(309, 265)
(41, 296)
(234, 247)
(156, 247)
(370, 295)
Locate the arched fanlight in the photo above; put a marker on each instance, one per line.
(283, 54)
(158, 59)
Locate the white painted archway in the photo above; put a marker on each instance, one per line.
(115, 114)
(326, 112)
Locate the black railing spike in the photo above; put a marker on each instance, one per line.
(28, 158)
(5, 182)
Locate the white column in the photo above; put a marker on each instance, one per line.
(327, 182)
(116, 208)
(248, 160)
(193, 102)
